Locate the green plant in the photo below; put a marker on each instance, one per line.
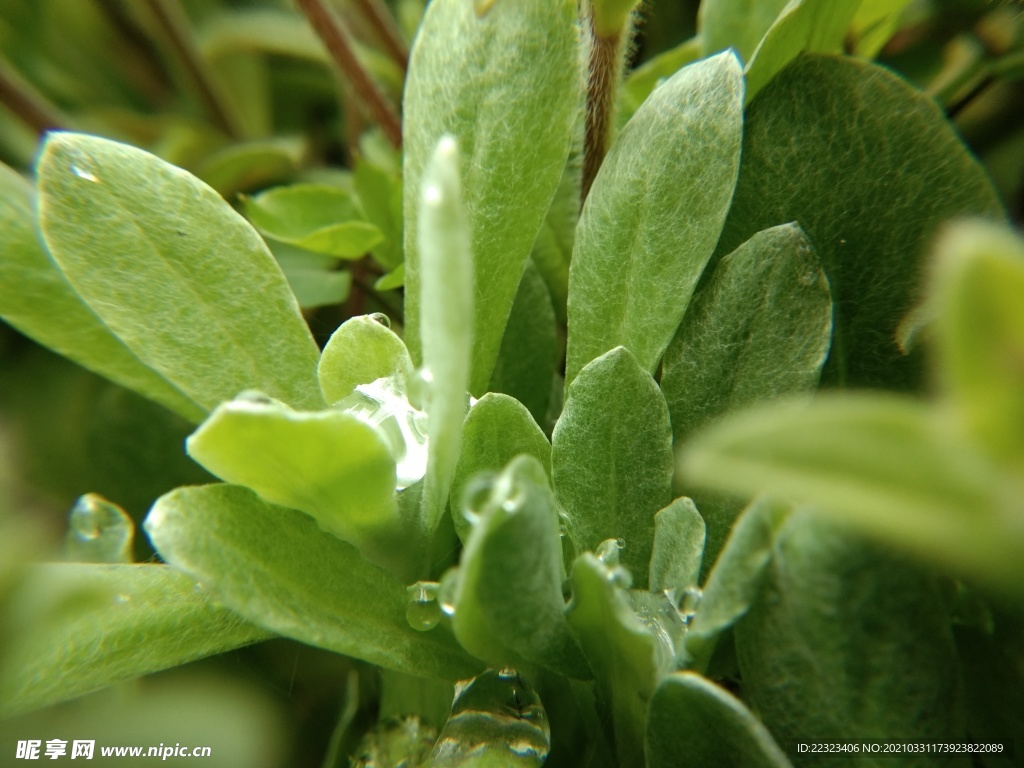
(753, 233)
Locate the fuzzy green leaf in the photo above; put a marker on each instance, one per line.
(642, 81)
(526, 362)
(678, 547)
(173, 271)
(760, 328)
(77, 628)
(362, 350)
(869, 167)
(316, 217)
(736, 24)
(497, 429)
(611, 458)
(735, 580)
(446, 318)
(36, 298)
(875, 633)
(803, 25)
(654, 214)
(619, 648)
(507, 85)
(330, 464)
(887, 465)
(689, 715)
(509, 596)
(278, 569)
(980, 332)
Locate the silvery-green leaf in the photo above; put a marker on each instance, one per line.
(678, 547)
(36, 298)
(174, 272)
(497, 429)
(362, 350)
(862, 143)
(526, 361)
(654, 214)
(689, 715)
(611, 458)
(509, 603)
(446, 318)
(275, 567)
(874, 630)
(758, 329)
(507, 85)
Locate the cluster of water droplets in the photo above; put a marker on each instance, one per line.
(607, 553)
(498, 716)
(384, 404)
(99, 532)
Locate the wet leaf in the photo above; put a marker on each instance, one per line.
(330, 464)
(362, 350)
(172, 270)
(611, 458)
(278, 569)
(509, 603)
(678, 547)
(497, 429)
(37, 299)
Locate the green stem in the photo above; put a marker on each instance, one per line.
(19, 96)
(173, 22)
(332, 32)
(603, 74)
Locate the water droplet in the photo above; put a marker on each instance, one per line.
(99, 532)
(620, 577)
(446, 591)
(381, 404)
(689, 601)
(495, 714)
(509, 493)
(254, 397)
(608, 552)
(423, 612)
(418, 387)
(380, 317)
(477, 496)
(83, 174)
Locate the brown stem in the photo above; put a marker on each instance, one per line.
(379, 17)
(334, 35)
(602, 83)
(23, 100)
(172, 20)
